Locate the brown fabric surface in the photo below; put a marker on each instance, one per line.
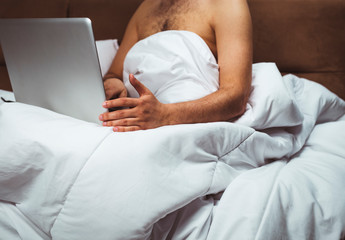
(2, 59)
(4, 79)
(109, 18)
(27, 9)
(31, 9)
(300, 36)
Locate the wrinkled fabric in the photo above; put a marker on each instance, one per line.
(277, 172)
(176, 66)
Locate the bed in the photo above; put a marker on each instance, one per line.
(277, 172)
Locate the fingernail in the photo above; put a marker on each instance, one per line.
(115, 129)
(104, 124)
(105, 104)
(101, 117)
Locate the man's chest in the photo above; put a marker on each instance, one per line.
(165, 15)
(188, 15)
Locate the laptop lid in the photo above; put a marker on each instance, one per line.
(53, 63)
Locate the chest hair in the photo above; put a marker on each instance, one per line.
(171, 14)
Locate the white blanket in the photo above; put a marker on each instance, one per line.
(176, 66)
(281, 167)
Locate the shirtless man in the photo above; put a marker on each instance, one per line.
(225, 26)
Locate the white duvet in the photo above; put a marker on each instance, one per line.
(278, 172)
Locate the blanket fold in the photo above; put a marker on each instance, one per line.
(176, 66)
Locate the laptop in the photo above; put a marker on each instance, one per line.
(53, 63)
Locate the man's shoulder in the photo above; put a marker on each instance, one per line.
(226, 6)
(220, 3)
(217, 5)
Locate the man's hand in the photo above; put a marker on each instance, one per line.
(145, 112)
(114, 88)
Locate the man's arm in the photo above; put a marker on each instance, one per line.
(113, 85)
(232, 25)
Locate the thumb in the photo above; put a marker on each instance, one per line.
(141, 89)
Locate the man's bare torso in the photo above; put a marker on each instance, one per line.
(227, 20)
(161, 15)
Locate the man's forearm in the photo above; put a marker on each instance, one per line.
(147, 112)
(218, 106)
(111, 75)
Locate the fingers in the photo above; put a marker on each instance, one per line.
(121, 102)
(123, 123)
(109, 95)
(136, 115)
(123, 94)
(141, 89)
(126, 129)
(121, 120)
(114, 88)
(126, 122)
(116, 115)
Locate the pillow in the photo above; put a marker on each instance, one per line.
(107, 50)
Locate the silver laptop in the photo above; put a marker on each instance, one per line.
(53, 63)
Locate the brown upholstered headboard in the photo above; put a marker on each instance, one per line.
(304, 37)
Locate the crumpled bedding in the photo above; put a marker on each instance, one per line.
(277, 172)
(176, 66)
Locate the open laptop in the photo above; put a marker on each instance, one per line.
(53, 63)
